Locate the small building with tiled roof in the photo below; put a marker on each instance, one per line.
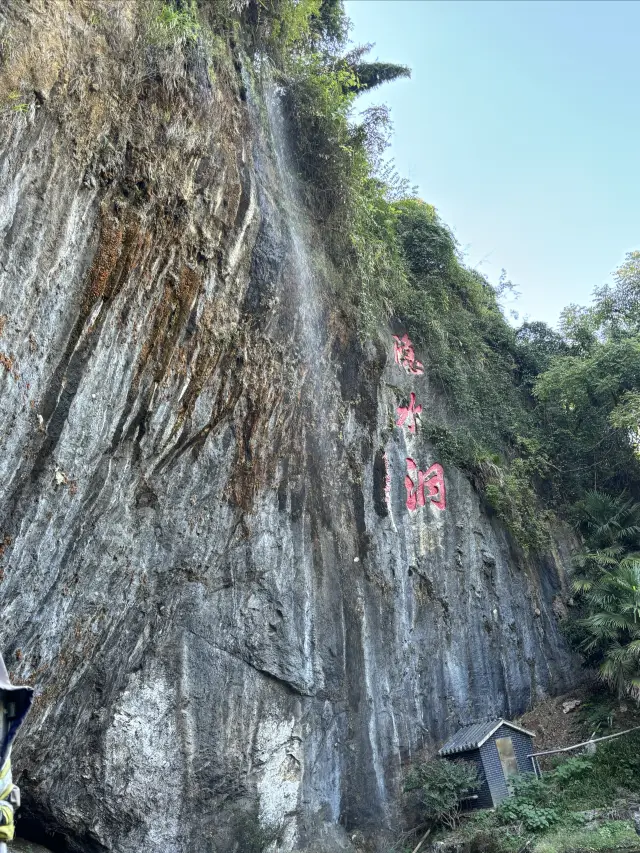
(499, 750)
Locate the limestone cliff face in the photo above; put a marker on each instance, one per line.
(235, 635)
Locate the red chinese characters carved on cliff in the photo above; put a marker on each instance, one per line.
(417, 481)
(405, 356)
(408, 414)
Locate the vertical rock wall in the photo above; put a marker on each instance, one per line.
(235, 636)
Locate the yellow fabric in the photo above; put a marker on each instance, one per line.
(6, 782)
(7, 828)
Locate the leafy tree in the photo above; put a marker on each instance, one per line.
(617, 309)
(607, 582)
(613, 624)
(437, 787)
(536, 345)
(585, 382)
(583, 399)
(331, 22)
(372, 74)
(578, 326)
(608, 523)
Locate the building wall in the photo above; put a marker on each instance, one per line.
(484, 800)
(522, 746)
(493, 770)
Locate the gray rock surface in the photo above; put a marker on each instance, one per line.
(21, 846)
(235, 640)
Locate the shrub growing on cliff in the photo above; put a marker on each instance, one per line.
(513, 498)
(182, 49)
(436, 788)
(250, 836)
(172, 25)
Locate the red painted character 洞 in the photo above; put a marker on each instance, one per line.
(405, 356)
(432, 479)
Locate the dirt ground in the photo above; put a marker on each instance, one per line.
(551, 726)
(599, 713)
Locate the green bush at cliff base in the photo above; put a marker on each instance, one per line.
(580, 783)
(437, 787)
(618, 835)
(548, 814)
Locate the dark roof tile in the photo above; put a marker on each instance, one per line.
(473, 736)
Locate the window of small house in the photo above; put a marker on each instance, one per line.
(507, 756)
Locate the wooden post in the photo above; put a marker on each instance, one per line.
(421, 842)
(584, 743)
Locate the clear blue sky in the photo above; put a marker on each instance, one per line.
(521, 125)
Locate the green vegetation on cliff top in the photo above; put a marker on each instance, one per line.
(541, 416)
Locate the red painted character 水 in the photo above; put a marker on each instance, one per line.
(417, 481)
(408, 414)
